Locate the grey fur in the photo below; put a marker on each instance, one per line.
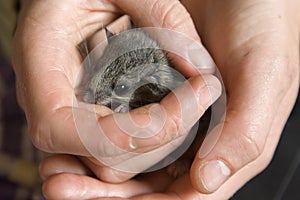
(133, 71)
(136, 61)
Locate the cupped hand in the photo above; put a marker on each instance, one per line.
(47, 63)
(256, 47)
(74, 181)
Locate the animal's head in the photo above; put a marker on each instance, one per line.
(132, 78)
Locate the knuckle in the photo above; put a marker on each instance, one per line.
(253, 149)
(169, 12)
(164, 126)
(173, 128)
(168, 17)
(112, 175)
(246, 140)
(249, 148)
(40, 135)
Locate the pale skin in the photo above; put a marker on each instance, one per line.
(51, 114)
(255, 45)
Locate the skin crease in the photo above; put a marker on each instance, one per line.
(261, 91)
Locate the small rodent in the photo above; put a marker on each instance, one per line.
(134, 71)
(123, 80)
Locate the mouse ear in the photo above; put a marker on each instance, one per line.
(108, 33)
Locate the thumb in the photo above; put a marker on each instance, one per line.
(243, 143)
(172, 15)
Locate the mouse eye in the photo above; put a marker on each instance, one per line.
(121, 89)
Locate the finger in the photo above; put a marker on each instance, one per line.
(63, 128)
(181, 189)
(252, 68)
(57, 164)
(250, 119)
(156, 185)
(54, 29)
(86, 125)
(47, 61)
(78, 19)
(106, 173)
(171, 15)
(121, 141)
(196, 94)
(74, 186)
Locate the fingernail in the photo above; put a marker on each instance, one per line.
(141, 143)
(202, 60)
(213, 174)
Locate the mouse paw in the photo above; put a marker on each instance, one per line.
(122, 108)
(179, 167)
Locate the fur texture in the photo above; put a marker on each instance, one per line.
(133, 71)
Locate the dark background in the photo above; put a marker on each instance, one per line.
(281, 180)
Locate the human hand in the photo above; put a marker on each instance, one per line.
(256, 47)
(47, 62)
